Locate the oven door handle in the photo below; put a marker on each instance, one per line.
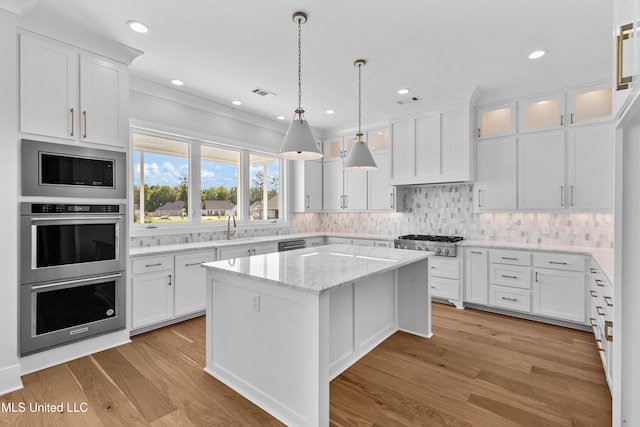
(73, 282)
(80, 218)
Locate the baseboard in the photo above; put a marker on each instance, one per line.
(10, 379)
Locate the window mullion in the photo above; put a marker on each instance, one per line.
(195, 202)
(244, 186)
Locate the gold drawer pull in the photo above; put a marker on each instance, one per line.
(598, 342)
(157, 264)
(607, 326)
(593, 293)
(476, 252)
(592, 321)
(598, 308)
(558, 262)
(593, 270)
(191, 264)
(599, 282)
(509, 299)
(622, 82)
(608, 300)
(510, 258)
(509, 277)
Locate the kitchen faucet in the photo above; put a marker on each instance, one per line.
(229, 225)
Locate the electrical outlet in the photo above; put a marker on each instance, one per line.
(255, 302)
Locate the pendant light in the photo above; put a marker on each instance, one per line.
(360, 158)
(299, 143)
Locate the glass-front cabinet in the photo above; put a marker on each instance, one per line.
(590, 105)
(541, 113)
(496, 121)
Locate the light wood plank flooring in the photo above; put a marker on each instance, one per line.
(479, 369)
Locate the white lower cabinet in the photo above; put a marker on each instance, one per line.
(190, 280)
(165, 288)
(444, 279)
(246, 250)
(559, 294)
(510, 280)
(510, 298)
(152, 297)
(476, 275)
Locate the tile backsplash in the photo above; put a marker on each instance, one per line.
(448, 210)
(206, 236)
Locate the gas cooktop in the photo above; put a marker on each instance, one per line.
(431, 238)
(441, 245)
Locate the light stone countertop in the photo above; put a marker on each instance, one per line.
(215, 244)
(320, 268)
(604, 257)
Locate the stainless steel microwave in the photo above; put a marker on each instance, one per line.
(58, 170)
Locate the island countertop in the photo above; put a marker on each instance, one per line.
(321, 268)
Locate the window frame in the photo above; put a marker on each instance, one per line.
(194, 222)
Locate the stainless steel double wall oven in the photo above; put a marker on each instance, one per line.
(73, 255)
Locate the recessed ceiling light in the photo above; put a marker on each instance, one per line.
(537, 54)
(236, 102)
(330, 111)
(281, 117)
(138, 27)
(177, 82)
(404, 91)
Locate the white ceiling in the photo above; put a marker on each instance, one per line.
(224, 49)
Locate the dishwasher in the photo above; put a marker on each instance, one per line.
(291, 245)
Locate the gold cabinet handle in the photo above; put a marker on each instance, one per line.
(391, 200)
(509, 299)
(157, 264)
(557, 262)
(599, 282)
(592, 321)
(607, 326)
(536, 277)
(598, 308)
(191, 264)
(476, 252)
(170, 280)
(478, 132)
(562, 196)
(308, 201)
(571, 119)
(593, 270)
(84, 119)
(571, 195)
(622, 81)
(509, 276)
(73, 125)
(608, 300)
(479, 198)
(510, 258)
(561, 119)
(598, 342)
(593, 293)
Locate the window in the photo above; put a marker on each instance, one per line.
(264, 194)
(219, 172)
(177, 180)
(160, 180)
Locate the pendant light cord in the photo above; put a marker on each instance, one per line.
(300, 66)
(360, 99)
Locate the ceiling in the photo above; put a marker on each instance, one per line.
(222, 50)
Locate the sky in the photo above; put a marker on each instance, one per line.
(169, 170)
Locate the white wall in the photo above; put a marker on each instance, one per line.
(9, 366)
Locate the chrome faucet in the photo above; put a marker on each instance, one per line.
(229, 225)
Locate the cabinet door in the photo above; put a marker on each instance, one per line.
(559, 294)
(381, 194)
(427, 147)
(48, 88)
(313, 186)
(265, 248)
(476, 276)
(234, 252)
(332, 149)
(402, 150)
(455, 146)
(541, 176)
(103, 101)
(190, 282)
(496, 185)
(496, 121)
(590, 168)
(152, 298)
(355, 190)
(541, 113)
(332, 191)
(589, 105)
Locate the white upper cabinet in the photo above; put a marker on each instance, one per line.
(306, 186)
(541, 113)
(496, 185)
(434, 147)
(541, 170)
(588, 105)
(496, 121)
(69, 94)
(342, 190)
(590, 167)
(382, 195)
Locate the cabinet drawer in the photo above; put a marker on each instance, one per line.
(444, 267)
(510, 298)
(559, 261)
(445, 288)
(510, 257)
(148, 265)
(510, 275)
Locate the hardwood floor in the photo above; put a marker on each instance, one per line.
(479, 369)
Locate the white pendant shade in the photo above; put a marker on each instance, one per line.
(299, 143)
(360, 158)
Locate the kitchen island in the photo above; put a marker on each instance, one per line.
(281, 326)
